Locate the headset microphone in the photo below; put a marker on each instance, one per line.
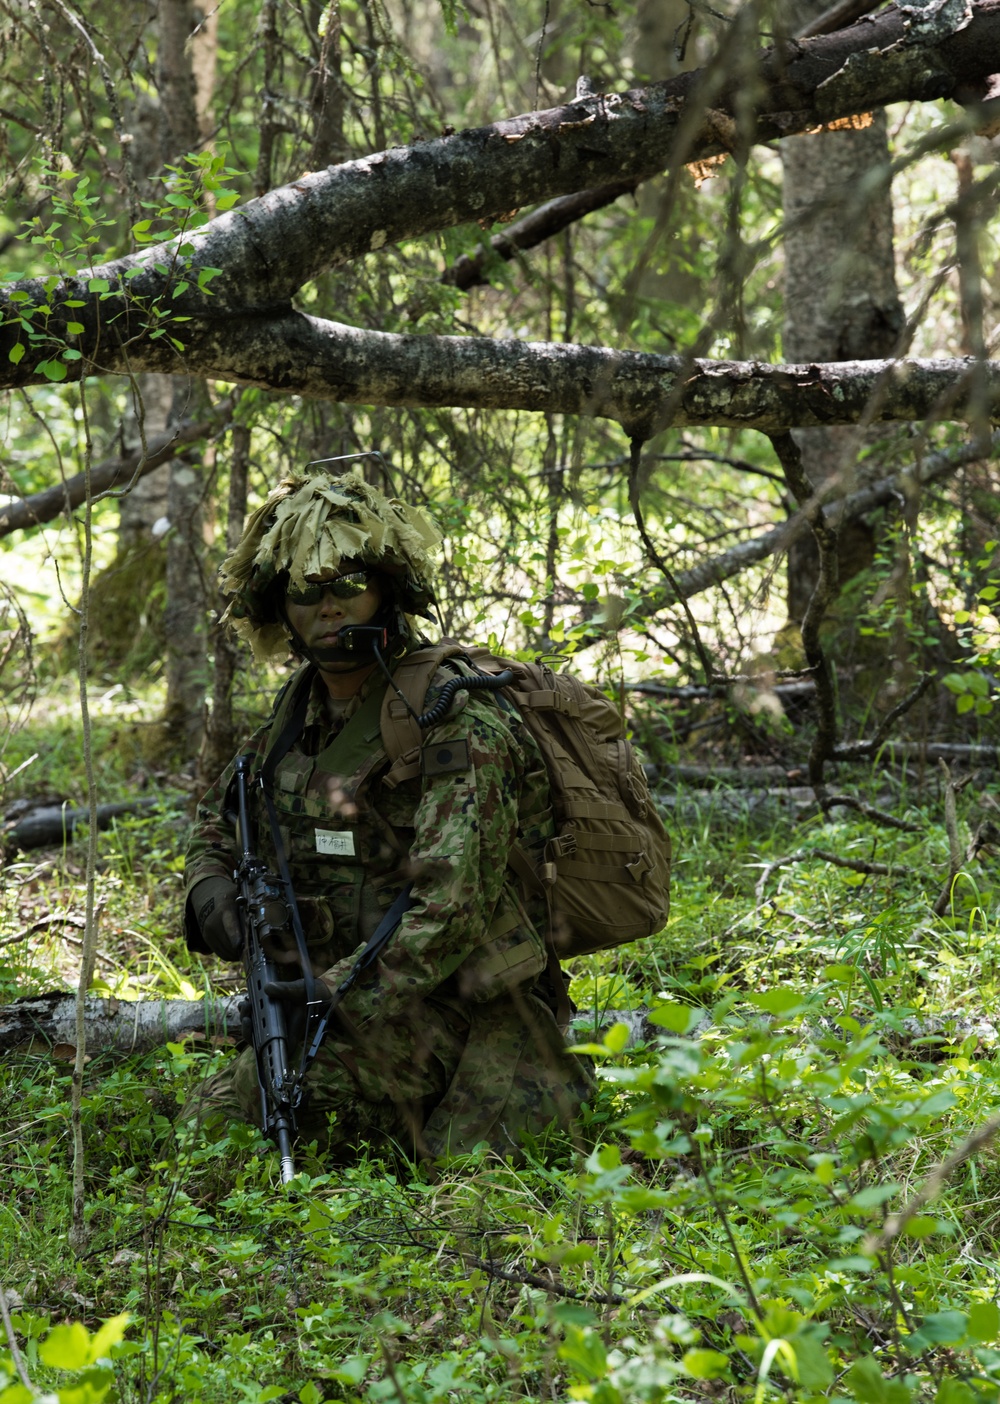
(363, 638)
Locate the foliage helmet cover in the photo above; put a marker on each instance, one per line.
(300, 535)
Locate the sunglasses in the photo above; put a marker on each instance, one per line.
(342, 587)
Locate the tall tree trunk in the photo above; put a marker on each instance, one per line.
(185, 73)
(220, 732)
(186, 663)
(841, 302)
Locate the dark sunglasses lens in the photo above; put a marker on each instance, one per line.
(344, 587)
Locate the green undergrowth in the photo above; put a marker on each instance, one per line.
(752, 1212)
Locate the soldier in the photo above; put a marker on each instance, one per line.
(451, 1038)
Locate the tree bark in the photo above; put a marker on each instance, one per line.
(838, 218)
(186, 664)
(270, 247)
(644, 392)
(220, 732)
(46, 1023)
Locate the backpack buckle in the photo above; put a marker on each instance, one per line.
(639, 867)
(563, 846)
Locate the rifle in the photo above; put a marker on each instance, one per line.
(264, 912)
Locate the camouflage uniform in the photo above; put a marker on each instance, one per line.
(452, 1040)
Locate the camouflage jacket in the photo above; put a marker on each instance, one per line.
(352, 842)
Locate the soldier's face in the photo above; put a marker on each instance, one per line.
(319, 622)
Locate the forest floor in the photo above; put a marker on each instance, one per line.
(754, 1210)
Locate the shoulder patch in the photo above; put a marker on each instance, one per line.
(443, 757)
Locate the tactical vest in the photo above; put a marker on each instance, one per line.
(349, 861)
(338, 848)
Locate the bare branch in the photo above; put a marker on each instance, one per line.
(541, 224)
(895, 1224)
(65, 497)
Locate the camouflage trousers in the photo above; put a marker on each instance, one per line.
(434, 1085)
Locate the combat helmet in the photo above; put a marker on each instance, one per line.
(308, 525)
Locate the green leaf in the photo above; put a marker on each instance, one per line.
(965, 704)
(921, 1226)
(678, 1018)
(227, 201)
(815, 1368)
(984, 1321)
(17, 1394)
(66, 1347)
(108, 1335)
(16, 353)
(71, 354)
(616, 1038)
(869, 1386)
(952, 1391)
(938, 1328)
(780, 1001)
(52, 370)
(873, 1195)
(75, 328)
(309, 1394)
(98, 285)
(705, 1364)
(585, 1351)
(352, 1370)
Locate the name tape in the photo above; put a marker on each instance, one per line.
(339, 843)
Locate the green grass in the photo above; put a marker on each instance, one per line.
(818, 1042)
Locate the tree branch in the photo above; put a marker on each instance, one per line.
(541, 224)
(65, 497)
(769, 543)
(263, 252)
(302, 355)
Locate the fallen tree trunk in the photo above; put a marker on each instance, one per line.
(762, 777)
(57, 823)
(47, 1023)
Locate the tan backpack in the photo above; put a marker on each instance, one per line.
(606, 874)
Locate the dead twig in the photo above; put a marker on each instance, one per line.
(15, 1353)
(870, 811)
(957, 854)
(823, 855)
(861, 750)
(932, 1186)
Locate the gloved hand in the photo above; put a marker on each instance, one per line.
(214, 903)
(292, 993)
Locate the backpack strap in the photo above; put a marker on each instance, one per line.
(401, 736)
(539, 881)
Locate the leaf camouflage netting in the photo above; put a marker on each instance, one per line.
(304, 530)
